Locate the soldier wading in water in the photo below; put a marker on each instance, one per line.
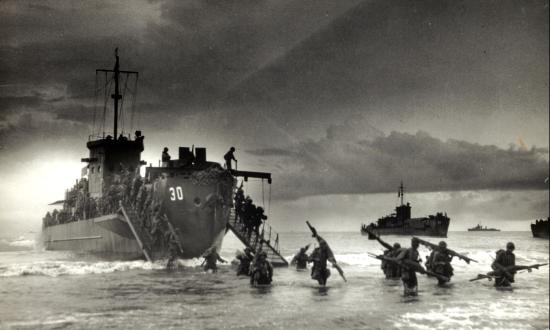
(439, 262)
(211, 257)
(319, 258)
(262, 270)
(408, 276)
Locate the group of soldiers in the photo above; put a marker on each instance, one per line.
(254, 265)
(77, 205)
(250, 215)
(404, 263)
(127, 188)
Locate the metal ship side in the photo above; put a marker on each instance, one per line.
(401, 223)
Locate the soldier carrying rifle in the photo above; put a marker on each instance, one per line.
(319, 257)
(504, 267)
(390, 269)
(440, 259)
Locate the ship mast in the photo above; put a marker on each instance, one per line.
(400, 192)
(116, 96)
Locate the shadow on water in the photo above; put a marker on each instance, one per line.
(260, 289)
(323, 290)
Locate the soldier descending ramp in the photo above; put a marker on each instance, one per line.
(254, 241)
(248, 230)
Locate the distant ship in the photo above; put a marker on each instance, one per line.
(184, 204)
(540, 228)
(401, 223)
(481, 228)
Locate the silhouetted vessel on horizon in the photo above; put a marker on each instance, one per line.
(479, 227)
(401, 223)
(540, 228)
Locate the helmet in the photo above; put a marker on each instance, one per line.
(442, 244)
(396, 245)
(232, 148)
(165, 149)
(510, 246)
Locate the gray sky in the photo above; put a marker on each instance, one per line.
(336, 98)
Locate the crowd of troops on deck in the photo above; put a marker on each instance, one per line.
(128, 188)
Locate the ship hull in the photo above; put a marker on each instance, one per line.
(414, 227)
(541, 230)
(198, 209)
(107, 236)
(197, 205)
(483, 229)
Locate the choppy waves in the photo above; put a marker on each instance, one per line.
(61, 268)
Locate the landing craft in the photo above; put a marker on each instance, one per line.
(401, 223)
(183, 205)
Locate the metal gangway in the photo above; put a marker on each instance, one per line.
(267, 237)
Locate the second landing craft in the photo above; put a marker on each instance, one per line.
(401, 223)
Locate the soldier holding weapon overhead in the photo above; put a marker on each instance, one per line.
(319, 257)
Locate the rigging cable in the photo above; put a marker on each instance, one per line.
(269, 201)
(122, 103)
(133, 106)
(263, 198)
(105, 93)
(95, 105)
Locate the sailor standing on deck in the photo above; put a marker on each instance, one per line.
(165, 157)
(228, 157)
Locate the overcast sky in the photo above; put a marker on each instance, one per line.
(339, 99)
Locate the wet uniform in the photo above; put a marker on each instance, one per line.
(440, 263)
(408, 277)
(504, 259)
(244, 266)
(300, 259)
(319, 271)
(262, 272)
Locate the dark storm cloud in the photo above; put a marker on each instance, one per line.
(469, 55)
(188, 52)
(296, 65)
(424, 163)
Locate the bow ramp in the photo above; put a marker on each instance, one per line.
(142, 237)
(253, 240)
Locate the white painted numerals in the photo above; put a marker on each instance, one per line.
(176, 193)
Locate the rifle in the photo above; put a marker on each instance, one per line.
(506, 271)
(377, 237)
(411, 266)
(483, 276)
(445, 250)
(528, 268)
(329, 250)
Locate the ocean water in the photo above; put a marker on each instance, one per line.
(60, 290)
